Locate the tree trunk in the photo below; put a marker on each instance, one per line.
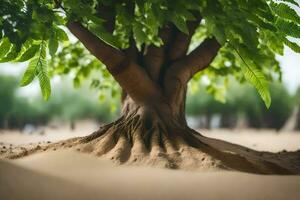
(152, 129)
(159, 136)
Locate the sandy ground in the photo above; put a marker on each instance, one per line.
(261, 140)
(72, 175)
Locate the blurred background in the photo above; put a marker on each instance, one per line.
(243, 118)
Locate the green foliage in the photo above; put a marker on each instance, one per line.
(29, 53)
(29, 73)
(294, 2)
(74, 59)
(38, 68)
(53, 43)
(251, 32)
(7, 91)
(294, 46)
(257, 78)
(5, 47)
(285, 11)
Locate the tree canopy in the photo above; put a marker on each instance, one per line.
(251, 33)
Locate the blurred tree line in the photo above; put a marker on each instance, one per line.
(297, 102)
(66, 105)
(243, 103)
(69, 105)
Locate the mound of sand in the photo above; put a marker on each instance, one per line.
(71, 175)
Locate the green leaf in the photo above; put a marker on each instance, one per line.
(285, 11)
(294, 46)
(263, 24)
(105, 36)
(139, 35)
(219, 33)
(180, 23)
(102, 97)
(76, 82)
(29, 53)
(253, 74)
(187, 15)
(95, 19)
(113, 93)
(11, 55)
(288, 28)
(30, 72)
(61, 34)
(291, 1)
(259, 81)
(43, 49)
(53, 44)
(4, 47)
(38, 67)
(44, 80)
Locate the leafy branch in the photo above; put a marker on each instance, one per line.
(256, 78)
(37, 67)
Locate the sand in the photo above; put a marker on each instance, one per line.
(73, 175)
(260, 140)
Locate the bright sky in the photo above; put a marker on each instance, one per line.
(290, 64)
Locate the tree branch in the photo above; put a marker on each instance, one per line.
(197, 60)
(184, 69)
(155, 56)
(107, 12)
(131, 77)
(108, 55)
(179, 44)
(181, 41)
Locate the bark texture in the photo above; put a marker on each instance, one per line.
(152, 129)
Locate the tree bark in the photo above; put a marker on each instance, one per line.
(121, 67)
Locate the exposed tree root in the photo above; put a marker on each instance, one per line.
(130, 141)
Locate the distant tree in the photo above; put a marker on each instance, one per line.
(152, 49)
(8, 87)
(242, 100)
(281, 108)
(297, 103)
(65, 106)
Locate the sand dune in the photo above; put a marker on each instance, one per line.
(71, 175)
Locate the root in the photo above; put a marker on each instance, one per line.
(129, 141)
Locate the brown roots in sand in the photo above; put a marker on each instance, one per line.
(133, 140)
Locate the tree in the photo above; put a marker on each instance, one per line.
(151, 49)
(7, 90)
(297, 100)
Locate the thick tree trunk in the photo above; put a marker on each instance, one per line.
(152, 129)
